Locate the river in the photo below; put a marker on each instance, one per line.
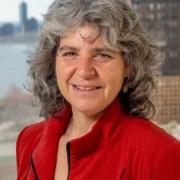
(13, 66)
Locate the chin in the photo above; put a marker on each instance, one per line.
(87, 108)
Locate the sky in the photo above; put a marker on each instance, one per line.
(9, 9)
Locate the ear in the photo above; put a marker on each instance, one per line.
(126, 71)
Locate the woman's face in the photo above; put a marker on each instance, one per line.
(89, 75)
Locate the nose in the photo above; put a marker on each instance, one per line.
(85, 68)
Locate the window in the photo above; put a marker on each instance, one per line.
(151, 16)
(159, 6)
(151, 6)
(172, 54)
(159, 16)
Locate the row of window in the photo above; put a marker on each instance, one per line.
(171, 54)
(160, 16)
(156, 6)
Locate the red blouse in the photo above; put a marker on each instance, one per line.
(118, 147)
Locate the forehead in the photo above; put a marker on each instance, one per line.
(87, 34)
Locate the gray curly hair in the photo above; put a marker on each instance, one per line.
(119, 26)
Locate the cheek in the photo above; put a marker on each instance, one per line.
(60, 75)
(114, 79)
(58, 72)
(63, 73)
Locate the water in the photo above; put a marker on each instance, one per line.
(13, 71)
(7, 149)
(13, 67)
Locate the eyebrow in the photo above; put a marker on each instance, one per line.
(96, 50)
(99, 50)
(67, 48)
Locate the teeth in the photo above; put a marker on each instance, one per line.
(85, 88)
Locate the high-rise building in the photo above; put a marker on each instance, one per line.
(23, 15)
(31, 25)
(162, 19)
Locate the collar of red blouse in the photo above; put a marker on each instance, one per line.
(102, 134)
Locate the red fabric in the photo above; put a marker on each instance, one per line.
(119, 147)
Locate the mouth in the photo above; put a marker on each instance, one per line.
(86, 88)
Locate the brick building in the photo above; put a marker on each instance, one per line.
(167, 99)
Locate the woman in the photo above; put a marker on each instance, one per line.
(93, 75)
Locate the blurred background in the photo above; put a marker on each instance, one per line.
(19, 25)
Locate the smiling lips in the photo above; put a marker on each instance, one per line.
(86, 88)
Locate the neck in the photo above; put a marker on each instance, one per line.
(80, 124)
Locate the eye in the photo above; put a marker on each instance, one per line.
(103, 56)
(69, 54)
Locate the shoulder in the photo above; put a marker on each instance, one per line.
(147, 140)
(145, 130)
(30, 132)
(27, 138)
(168, 163)
(153, 147)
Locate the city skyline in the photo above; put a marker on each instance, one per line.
(9, 10)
